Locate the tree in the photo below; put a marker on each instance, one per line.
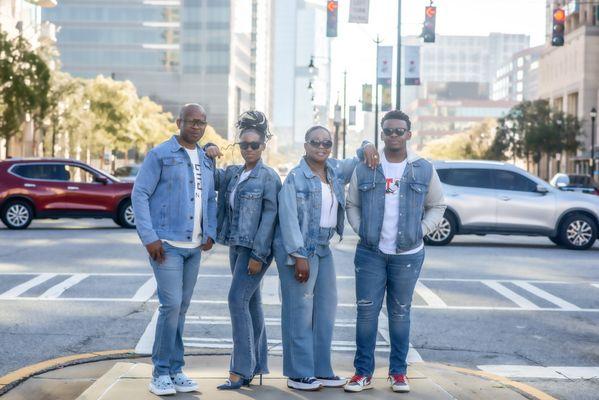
(470, 145)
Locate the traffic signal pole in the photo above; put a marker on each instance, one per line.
(398, 78)
(376, 96)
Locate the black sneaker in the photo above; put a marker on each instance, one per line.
(309, 384)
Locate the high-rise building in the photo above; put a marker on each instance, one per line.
(174, 51)
(518, 79)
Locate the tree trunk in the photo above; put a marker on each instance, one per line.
(548, 165)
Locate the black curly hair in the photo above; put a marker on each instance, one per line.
(396, 114)
(255, 121)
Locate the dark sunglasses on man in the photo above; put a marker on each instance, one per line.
(395, 131)
(325, 144)
(247, 145)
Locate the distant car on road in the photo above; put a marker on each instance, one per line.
(574, 183)
(127, 173)
(486, 197)
(59, 188)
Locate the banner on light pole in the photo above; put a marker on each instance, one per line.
(359, 11)
(385, 65)
(352, 116)
(366, 97)
(386, 104)
(412, 67)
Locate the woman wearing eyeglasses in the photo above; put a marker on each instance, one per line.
(311, 210)
(247, 215)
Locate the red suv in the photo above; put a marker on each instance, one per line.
(56, 188)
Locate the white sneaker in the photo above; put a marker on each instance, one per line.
(162, 386)
(332, 381)
(358, 383)
(308, 384)
(399, 383)
(183, 384)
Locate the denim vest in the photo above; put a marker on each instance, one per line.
(251, 223)
(412, 193)
(300, 201)
(164, 195)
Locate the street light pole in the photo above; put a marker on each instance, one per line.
(344, 110)
(376, 95)
(398, 78)
(593, 117)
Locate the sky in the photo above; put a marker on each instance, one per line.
(354, 49)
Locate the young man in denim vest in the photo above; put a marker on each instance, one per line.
(391, 208)
(175, 214)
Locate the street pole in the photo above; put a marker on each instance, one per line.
(344, 110)
(593, 134)
(398, 78)
(376, 96)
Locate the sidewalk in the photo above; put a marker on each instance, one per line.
(128, 379)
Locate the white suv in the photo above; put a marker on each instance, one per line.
(485, 197)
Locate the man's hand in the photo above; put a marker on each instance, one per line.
(208, 245)
(213, 152)
(371, 156)
(156, 251)
(302, 270)
(254, 267)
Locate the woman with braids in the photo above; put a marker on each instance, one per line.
(247, 215)
(311, 210)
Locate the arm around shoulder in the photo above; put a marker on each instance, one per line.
(434, 206)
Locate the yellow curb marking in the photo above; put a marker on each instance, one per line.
(31, 370)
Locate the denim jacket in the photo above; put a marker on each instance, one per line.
(251, 223)
(163, 195)
(300, 201)
(421, 204)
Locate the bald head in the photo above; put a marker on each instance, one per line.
(192, 124)
(191, 108)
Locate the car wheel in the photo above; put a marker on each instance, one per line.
(126, 218)
(577, 232)
(17, 214)
(444, 232)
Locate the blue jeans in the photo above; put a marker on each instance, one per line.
(375, 272)
(250, 349)
(308, 315)
(175, 277)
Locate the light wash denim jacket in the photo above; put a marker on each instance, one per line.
(251, 223)
(421, 203)
(300, 201)
(164, 193)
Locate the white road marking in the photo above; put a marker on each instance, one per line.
(56, 290)
(512, 296)
(146, 291)
(429, 296)
(25, 286)
(146, 341)
(270, 290)
(563, 304)
(532, 371)
(596, 285)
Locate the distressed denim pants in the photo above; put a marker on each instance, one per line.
(250, 349)
(398, 274)
(175, 277)
(308, 315)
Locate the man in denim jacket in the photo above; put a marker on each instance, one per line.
(175, 213)
(391, 208)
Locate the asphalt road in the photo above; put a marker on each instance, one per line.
(516, 306)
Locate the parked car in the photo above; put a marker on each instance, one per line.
(485, 197)
(127, 173)
(575, 183)
(56, 188)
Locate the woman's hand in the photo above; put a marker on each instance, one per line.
(302, 270)
(213, 152)
(254, 267)
(371, 156)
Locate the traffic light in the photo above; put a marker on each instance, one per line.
(332, 11)
(559, 28)
(428, 31)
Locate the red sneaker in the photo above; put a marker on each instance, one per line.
(399, 383)
(358, 383)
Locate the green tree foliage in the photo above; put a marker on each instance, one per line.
(470, 145)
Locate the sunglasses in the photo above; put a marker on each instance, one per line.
(247, 145)
(325, 144)
(395, 131)
(195, 123)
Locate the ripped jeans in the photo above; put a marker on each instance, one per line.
(375, 272)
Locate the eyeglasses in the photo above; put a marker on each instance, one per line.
(395, 131)
(247, 145)
(195, 123)
(325, 144)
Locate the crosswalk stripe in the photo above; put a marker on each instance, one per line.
(270, 290)
(23, 287)
(146, 291)
(56, 290)
(512, 296)
(564, 305)
(535, 371)
(429, 296)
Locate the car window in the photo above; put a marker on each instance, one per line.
(466, 177)
(507, 180)
(55, 172)
(79, 175)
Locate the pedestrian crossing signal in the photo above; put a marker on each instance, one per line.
(428, 30)
(332, 13)
(559, 27)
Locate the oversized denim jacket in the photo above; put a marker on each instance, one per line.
(251, 223)
(300, 201)
(163, 195)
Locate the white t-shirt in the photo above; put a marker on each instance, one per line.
(393, 174)
(329, 207)
(196, 236)
(244, 176)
